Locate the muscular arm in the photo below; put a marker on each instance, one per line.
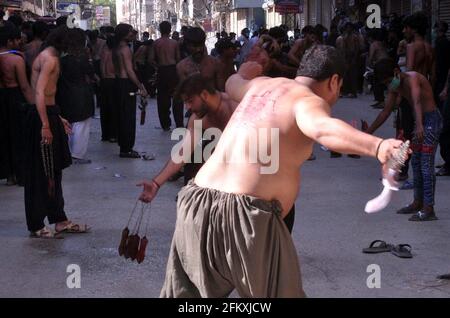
(188, 143)
(313, 119)
(384, 114)
(21, 76)
(48, 65)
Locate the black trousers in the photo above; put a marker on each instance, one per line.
(378, 89)
(108, 109)
(38, 203)
(126, 105)
(350, 85)
(444, 140)
(167, 80)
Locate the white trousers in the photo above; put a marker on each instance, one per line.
(79, 139)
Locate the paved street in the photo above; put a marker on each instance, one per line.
(330, 229)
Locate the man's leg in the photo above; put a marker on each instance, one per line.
(163, 100)
(105, 113)
(433, 129)
(127, 124)
(178, 112)
(416, 158)
(56, 212)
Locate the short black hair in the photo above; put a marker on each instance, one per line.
(418, 22)
(40, 30)
(223, 44)
(384, 69)
(62, 20)
(57, 39)
(195, 36)
(146, 33)
(16, 20)
(321, 62)
(121, 31)
(165, 27)
(194, 85)
(309, 29)
(8, 32)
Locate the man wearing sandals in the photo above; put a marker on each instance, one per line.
(416, 89)
(47, 146)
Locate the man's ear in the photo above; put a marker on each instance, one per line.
(334, 82)
(204, 95)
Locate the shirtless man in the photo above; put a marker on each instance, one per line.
(167, 55)
(109, 113)
(227, 53)
(419, 53)
(16, 91)
(199, 61)
(301, 45)
(210, 109)
(349, 44)
(45, 126)
(126, 83)
(417, 91)
(32, 49)
(229, 232)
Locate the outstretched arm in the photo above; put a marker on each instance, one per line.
(384, 114)
(313, 119)
(190, 139)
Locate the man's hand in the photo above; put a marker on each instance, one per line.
(149, 192)
(67, 126)
(388, 148)
(143, 91)
(250, 70)
(47, 136)
(443, 95)
(418, 133)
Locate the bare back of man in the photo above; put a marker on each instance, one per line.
(269, 104)
(419, 57)
(32, 50)
(417, 84)
(207, 67)
(166, 51)
(106, 64)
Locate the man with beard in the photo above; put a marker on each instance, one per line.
(210, 109)
(199, 61)
(230, 232)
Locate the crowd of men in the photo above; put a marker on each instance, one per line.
(51, 78)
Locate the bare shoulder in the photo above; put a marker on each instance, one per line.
(307, 101)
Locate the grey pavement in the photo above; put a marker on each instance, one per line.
(330, 230)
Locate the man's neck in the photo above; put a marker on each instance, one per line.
(164, 36)
(418, 37)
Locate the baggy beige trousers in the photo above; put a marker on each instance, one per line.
(226, 241)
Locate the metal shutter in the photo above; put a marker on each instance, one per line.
(444, 12)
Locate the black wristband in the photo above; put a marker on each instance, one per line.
(378, 149)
